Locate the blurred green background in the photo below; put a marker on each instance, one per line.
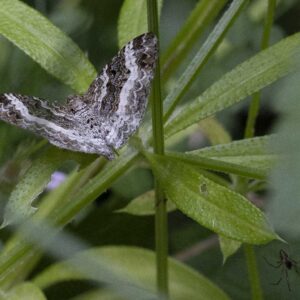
(92, 24)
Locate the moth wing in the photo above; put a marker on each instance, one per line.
(104, 117)
(118, 96)
(31, 112)
(49, 121)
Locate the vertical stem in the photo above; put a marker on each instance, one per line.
(161, 229)
(254, 106)
(161, 241)
(253, 274)
(249, 132)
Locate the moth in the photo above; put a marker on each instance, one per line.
(101, 120)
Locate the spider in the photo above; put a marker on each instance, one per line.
(286, 263)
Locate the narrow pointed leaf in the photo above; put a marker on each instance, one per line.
(20, 253)
(228, 247)
(138, 264)
(252, 146)
(214, 131)
(219, 165)
(97, 185)
(244, 80)
(211, 205)
(46, 44)
(144, 205)
(203, 14)
(202, 56)
(95, 267)
(254, 153)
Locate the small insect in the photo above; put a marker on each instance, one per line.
(101, 120)
(286, 263)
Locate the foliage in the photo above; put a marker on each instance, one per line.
(108, 207)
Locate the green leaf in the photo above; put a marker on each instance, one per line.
(214, 131)
(228, 247)
(24, 291)
(252, 153)
(244, 80)
(33, 183)
(211, 205)
(218, 165)
(202, 15)
(138, 264)
(202, 56)
(133, 20)
(144, 205)
(97, 185)
(61, 195)
(50, 203)
(20, 253)
(46, 44)
(91, 266)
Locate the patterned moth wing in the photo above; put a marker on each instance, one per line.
(104, 117)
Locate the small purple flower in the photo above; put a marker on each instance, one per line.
(57, 178)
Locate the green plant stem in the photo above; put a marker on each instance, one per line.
(161, 231)
(249, 133)
(254, 106)
(202, 56)
(253, 272)
(202, 15)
